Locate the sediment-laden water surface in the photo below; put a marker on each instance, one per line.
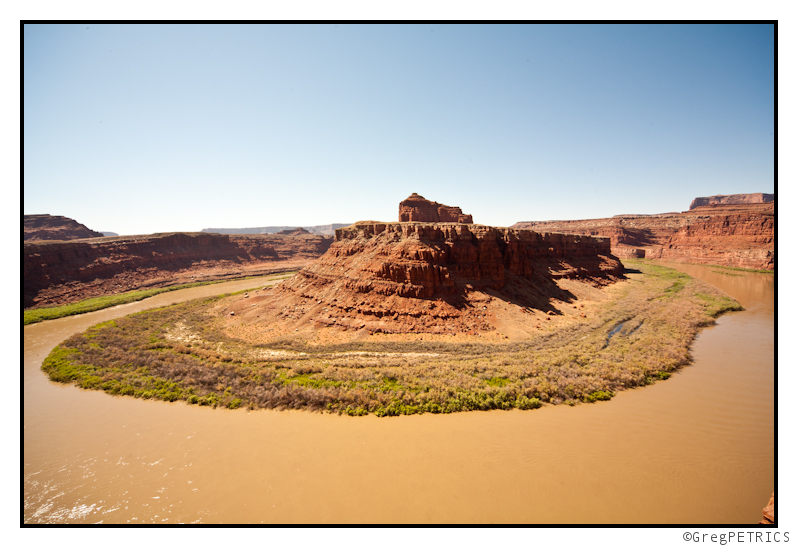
(697, 448)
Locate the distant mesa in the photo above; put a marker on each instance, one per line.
(106, 233)
(294, 231)
(55, 227)
(733, 199)
(443, 277)
(420, 210)
(734, 230)
(323, 230)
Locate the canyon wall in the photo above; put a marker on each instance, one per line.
(55, 227)
(737, 235)
(63, 272)
(435, 277)
(420, 260)
(325, 230)
(733, 199)
(418, 209)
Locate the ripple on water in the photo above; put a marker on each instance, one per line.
(697, 447)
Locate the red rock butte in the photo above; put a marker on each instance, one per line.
(55, 227)
(440, 278)
(418, 209)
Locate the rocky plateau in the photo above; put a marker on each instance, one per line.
(437, 278)
(325, 230)
(55, 227)
(733, 199)
(735, 231)
(61, 272)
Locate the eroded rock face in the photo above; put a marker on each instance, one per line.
(418, 209)
(294, 231)
(55, 227)
(741, 235)
(64, 272)
(769, 512)
(431, 278)
(733, 199)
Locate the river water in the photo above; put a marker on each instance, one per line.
(697, 448)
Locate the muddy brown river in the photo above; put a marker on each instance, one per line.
(697, 448)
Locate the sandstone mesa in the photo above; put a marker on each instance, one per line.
(55, 227)
(735, 231)
(437, 278)
(733, 199)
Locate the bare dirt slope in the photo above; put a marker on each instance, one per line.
(434, 278)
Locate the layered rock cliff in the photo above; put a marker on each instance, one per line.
(733, 199)
(63, 272)
(433, 278)
(418, 209)
(325, 230)
(739, 235)
(55, 227)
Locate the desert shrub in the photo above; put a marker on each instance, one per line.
(651, 324)
(598, 395)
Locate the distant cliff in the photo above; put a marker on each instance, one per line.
(55, 227)
(64, 272)
(733, 199)
(325, 230)
(738, 235)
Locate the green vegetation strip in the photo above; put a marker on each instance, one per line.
(640, 335)
(723, 267)
(754, 270)
(98, 303)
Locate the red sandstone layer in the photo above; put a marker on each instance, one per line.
(739, 235)
(50, 227)
(431, 278)
(733, 199)
(418, 209)
(65, 272)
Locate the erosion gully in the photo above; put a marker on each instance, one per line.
(697, 448)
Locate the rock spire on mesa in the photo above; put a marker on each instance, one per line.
(418, 209)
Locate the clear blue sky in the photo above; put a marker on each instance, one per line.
(138, 129)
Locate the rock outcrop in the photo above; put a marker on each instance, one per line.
(55, 227)
(325, 230)
(733, 199)
(741, 235)
(64, 272)
(418, 209)
(769, 512)
(433, 277)
(294, 231)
